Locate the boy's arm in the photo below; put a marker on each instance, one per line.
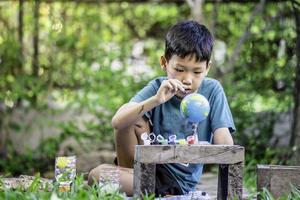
(129, 113)
(222, 136)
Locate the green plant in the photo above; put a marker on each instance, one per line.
(79, 190)
(293, 195)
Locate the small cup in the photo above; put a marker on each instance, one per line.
(65, 172)
(147, 142)
(181, 141)
(109, 179)
(191, 139)
(160, 139)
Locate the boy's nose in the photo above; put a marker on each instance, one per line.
(187, 80)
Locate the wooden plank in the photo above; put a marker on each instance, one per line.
(230, 181)
(144, 179)
(235, 181)
(277, 178)
(263, 178)
(230, 174)
(206, 154)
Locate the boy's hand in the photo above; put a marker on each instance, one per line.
(168, 89)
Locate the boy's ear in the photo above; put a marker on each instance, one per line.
(163, 63)
(208, 67)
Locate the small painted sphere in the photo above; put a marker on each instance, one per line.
(194, 108)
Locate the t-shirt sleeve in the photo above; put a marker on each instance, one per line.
(220, 114)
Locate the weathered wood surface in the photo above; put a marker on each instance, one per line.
(235, 180)
(209, 184)
(277, 178)
(231, 170)
(230, 181)
(24, 181)
(144, 181)
(206, 154)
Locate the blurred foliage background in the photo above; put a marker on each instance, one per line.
(71, 57)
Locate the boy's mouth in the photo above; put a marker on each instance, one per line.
(186, 92)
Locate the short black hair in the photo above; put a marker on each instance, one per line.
(189, 38)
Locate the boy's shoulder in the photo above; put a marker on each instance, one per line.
(210, 85)
(211, 82)
(156, 82)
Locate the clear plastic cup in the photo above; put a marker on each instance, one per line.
(65, 172)
(109, 179)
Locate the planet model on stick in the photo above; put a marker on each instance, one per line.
(195, 109)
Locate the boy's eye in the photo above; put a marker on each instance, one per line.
(179, 70)
(197, 72)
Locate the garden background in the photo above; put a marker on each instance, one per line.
(67, 66)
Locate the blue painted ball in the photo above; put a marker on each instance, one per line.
(194, 107)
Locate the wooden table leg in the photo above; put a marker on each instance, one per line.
(144, 179)
(230, 183)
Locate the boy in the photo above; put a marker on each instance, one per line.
(156, 108)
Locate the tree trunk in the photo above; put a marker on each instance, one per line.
(19, 69)
(196, 9)
(20, 33)
(2, 136)
(295, 138)
(35, 59)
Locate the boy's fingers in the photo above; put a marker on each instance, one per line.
(168, 85)
(181, 85)
(178, 84)
(174, 84)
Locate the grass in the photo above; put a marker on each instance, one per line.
(294, 195)
(250, 183)
(79, 190)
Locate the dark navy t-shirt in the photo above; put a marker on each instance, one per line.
(167, 120)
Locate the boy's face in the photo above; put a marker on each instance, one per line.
(187, 71)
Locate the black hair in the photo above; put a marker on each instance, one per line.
(189, 38)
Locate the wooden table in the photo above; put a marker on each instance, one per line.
(277, 179)
(229, 158)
